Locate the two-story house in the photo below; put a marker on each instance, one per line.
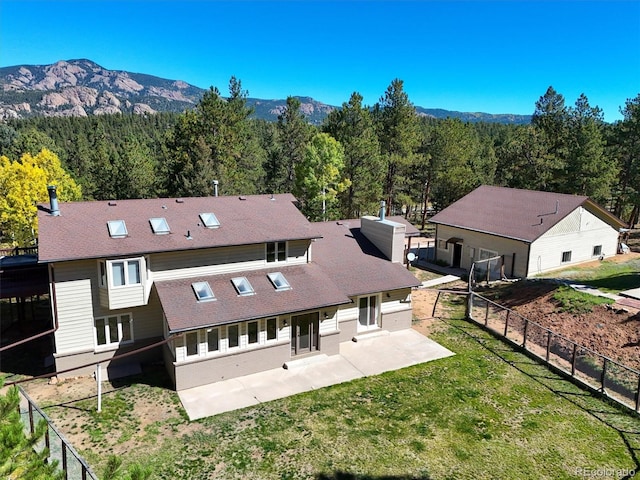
(218, 287)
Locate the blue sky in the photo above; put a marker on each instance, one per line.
(495, 57)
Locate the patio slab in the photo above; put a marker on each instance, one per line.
(366, 357)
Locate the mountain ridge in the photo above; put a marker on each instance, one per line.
(81, 87)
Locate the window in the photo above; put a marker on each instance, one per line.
(117, 228)
(276, 252)
(566, 256)
(472, 253)
(278, 280)
(597, 250)
(159, 226)
(191, 339)
(272, 328)
(213, 340)
(233, 336)
(484, 254)
(203, 291)
(209, 220)
(114, 330)
(243, 287)
(442, 245)
(252, 332)
(125, 272)
(368, 312)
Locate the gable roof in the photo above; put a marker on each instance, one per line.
(514, 213)
(345, 264)
(81, 230)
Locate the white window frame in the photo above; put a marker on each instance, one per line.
(239, 337)
(203, 291)
(276, 246)
(377, 312)
(121, 331)
(106, 277)
(186, 336)
(566, 254)
(257, 341)
(279, 281)
(266, 329)
(243, 286)
(206, 333)
(472, 253)
(594, 254)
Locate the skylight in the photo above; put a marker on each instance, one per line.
(209, 220)
(203, 291)
(243, 286)
(117, 229)
(159, 226)
(278, 280)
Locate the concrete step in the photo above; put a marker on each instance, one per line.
(305, 361)
(368, 335)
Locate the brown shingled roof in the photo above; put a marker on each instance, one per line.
(354, 263)
(513, 213)
(81, 229)
(311, 288)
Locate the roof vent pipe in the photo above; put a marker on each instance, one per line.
(215, 188)
(53, 201)
(382, 209)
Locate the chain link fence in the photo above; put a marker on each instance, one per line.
(598, 372)
(71, 463)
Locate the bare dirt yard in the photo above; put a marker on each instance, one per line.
(610, 331)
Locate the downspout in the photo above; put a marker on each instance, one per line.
(54, 308)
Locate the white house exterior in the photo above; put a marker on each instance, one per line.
(534, 232)
(218, 287)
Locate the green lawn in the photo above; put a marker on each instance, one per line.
(607, 276)
(486, 413)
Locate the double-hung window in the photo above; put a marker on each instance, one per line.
(114, 330)
(276, 252)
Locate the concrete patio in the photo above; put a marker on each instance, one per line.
(369, 355)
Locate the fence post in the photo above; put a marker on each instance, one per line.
(604, 374)
(506, 323)
(64, 460)
(638, 395)
(548, 345)
(526, 329)
(30, 418)
(573, 359)
(433, 313)
(486, 314)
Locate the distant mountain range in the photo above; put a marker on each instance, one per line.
(82, 88)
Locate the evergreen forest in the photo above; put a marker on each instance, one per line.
(360, 155)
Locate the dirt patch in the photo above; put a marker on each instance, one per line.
(614, 333)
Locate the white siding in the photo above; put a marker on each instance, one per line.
(191, 263)
(74, 305)
(213, 261)
(476, 241)
(329, 324)
(578, 233)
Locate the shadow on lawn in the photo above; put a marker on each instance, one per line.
(615, 417)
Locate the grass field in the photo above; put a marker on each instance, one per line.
(608, 275)
(488, 412)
